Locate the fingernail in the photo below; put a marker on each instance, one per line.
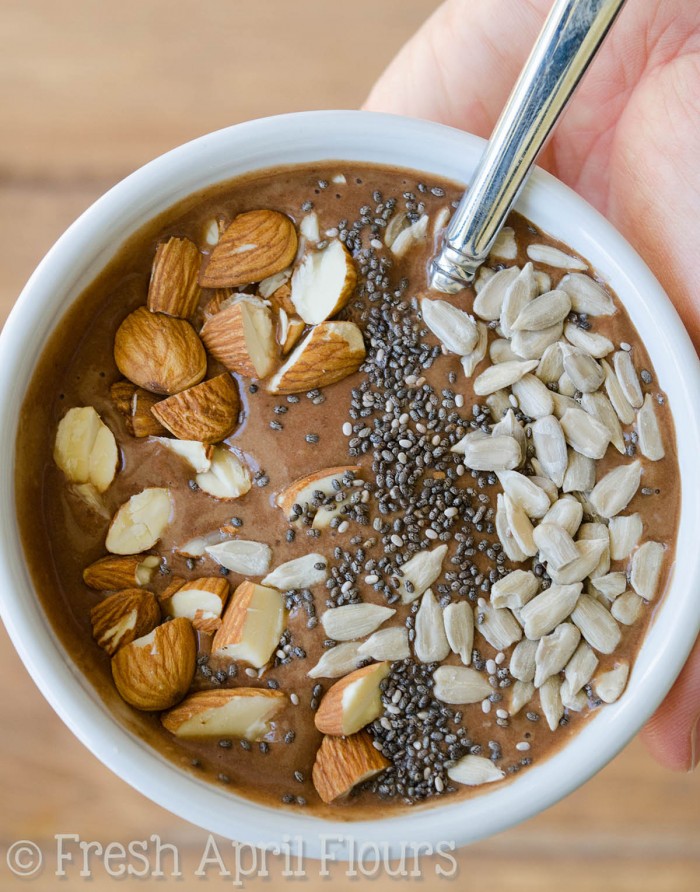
(695, 744)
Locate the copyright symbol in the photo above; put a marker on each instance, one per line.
(24, 858)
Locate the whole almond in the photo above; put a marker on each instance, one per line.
(256, 245)
(159, 353)
(174, 287)
(122, 617)
(207, 412)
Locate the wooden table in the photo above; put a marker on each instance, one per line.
(89, 91)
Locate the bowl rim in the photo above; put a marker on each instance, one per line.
(422, 146)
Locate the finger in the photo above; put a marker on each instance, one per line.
(671, 736)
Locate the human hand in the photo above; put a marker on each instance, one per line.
(629, 143)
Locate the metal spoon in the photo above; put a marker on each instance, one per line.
(570, 38)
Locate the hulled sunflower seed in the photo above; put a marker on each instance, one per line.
(547, 485)
(566, 512)
(627, 608)
(628, 378)
(589, 554)
(554, 651)
(551, 366)
(616, 395)
(555, 545)
(528, 495)
(650, 443)
(505, 535)
(585, 373)
(550, 701)
(454, 328)
(580, 473)
(499, 627)
(613, 492)
(482, 277)
(522, 660)
(505, 247)
(386, 644)
(430, 644)
(519, 294)
(551, 256)
(489, 299)
(337, 661)
(497, 453)
(534, 398)
(610, 585)
(599, 407)
(354, 620)
(472, 771)
(560, 403)
(596, 344)
(532, 344)
(625, 531)
(459, 628)
(587, 296)
(421, 571)
(543, 312)
(566, 386)
(472, 360)
(459, 684)
(509, 426)
(584, 433)
(501, 351)
(579, 670)
(597, 531)
(550, 448)
(543, 281)
(645, 569)
(596, 624)
(610, 685)
(520, 693)
(574, 703)
(520, 527)
(514, 589)
(548, 609)
(498, 404)
(502, 375)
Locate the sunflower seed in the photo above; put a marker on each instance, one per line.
(555, 545)
(458, 684)
(337, 661)
(532, 344)
(510, 546)
(514, 589)
(520, 527)
(421, 571)
(489, 300)
(533, 397)
(499, 627)
(596, 624)
(498, 404)
(551, 365)
(501, 351)
(491, 454)
(610, 685)
(579, 670)
(650, 443)
(566, 512)
(589, 554)
(554, 651)
(505, 247)
(580, 473)
(548, 609)
(522, 660)
(472, 360)
(354, 620)
(610, 585)
(616, 395)
(459, 628)
(550, 448)
(599, 407)
(551, 256)
(598, 531)
(509, 426)
(472, 771)
(386, 644)
(573, 703)
(543, 281)
(561, 402)
(628, 378)
(546, 484)
(645, 569)
(301, 572)
(410, 236)
(587, 296)
(395, 227)
(472, 437)
(585, 373)
(597, 345)
(520, 693)
(543, 312)
(625, 531)
(584, 433)
(454, 328)
(524, 493)
(501, 375)
(550, 701)
(482, 277)
(627, 608)
(430, 644)
(616, 489)
(566, 386)
(520, 292)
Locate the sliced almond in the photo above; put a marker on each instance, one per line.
(242, 337)
(625, 532)
(198, 599)
(498, 626)
(459, 628)
(610, 685)
(330, 352)
(420, 572)
(386, 644)
(430, 644)
(174, 286)
(154, 672)
(140, 522)
(256, 245)
(196, 454)
(596, 624)
(352, 702)
(328, 482)
(587, 296)
(550, 701)
(354, 620)
(122, 617)
(244, 556)
(645, 569)
(628, 378)
(514, 589)
(89, 498)
(650, 441)
(323, 283)
(554, 651)
(113, 573)
(339, 660)
(244, 713)
(197, 546)
(227, 478)
(473, 771)
(544, 612)
(160, 353)
(301, 572)
(344, 762)
(460, 685)
(616, 489)
(412, 235)
(456, 330)
(272, 284)
(135, 404)
(85, 448)
(252, 625)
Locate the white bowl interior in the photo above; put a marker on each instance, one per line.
(352, 136)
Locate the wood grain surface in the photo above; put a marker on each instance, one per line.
(89, 91)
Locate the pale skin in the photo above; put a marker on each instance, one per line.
(629, 144)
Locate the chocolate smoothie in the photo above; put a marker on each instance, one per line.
(449, 442)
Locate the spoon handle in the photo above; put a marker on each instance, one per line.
(570, 38)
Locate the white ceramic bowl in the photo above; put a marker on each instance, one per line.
(78, 257)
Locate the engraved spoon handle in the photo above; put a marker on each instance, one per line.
(570, 38)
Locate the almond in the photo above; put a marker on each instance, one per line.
(352, 702)
(220, 299)
(139, 522)
(174, 287)
(323, 283)
(330, 352)
(197, 455)
(300, 491)
(241, 337)
(135, 403)
(281, 298)
(243, 713)
(227, 478)
(255, 245)
(159, 353)
(344, 762)
(252, 625)
(155, 671)
(244, 556)
(295, 329)
(122, 617)
(85, 448)
(198, 600)
(113, 573)
(207, 412)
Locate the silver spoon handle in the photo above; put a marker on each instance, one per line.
(570, 38)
